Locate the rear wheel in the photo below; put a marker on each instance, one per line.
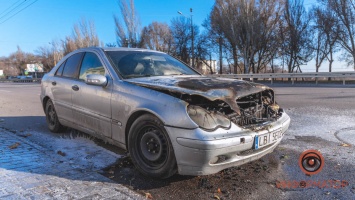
(52, 118)
(150, 147)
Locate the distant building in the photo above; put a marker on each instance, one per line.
(205, 66)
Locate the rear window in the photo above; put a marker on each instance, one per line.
(59, 72)
(72, 66)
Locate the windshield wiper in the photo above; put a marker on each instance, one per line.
(137, 75)
(176, 74)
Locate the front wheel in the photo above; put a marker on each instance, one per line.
(150, 147)
(52, 118)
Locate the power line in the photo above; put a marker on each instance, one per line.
(9, 7)
(13, 9)
(18, 12)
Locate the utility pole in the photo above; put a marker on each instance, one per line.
(192, 41)
(220, 55)
(192, 37)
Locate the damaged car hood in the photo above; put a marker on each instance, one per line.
(212, 88)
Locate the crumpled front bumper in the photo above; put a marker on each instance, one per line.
(198, 152)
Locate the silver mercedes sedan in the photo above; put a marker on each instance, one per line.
(170, 118)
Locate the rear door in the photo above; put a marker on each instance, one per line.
(61, 86)
(92, 104)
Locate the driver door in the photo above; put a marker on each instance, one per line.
(92, 104)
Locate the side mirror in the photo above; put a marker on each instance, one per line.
(96, 79)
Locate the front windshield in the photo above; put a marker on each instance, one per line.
(134, 64)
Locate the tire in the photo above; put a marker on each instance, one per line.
(150, 148)
(52, 118)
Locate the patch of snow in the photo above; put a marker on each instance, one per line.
(80, 151)
(85, 153)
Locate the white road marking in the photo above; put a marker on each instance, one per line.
(4, 91)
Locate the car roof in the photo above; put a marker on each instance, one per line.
(117, 49)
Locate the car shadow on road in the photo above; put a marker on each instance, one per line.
(231, 183)
(23, 123)
(124, 172)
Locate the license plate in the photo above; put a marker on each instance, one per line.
(268, 138)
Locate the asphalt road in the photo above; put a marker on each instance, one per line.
(20, 105)
(322, 118)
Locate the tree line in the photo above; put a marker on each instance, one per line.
(248, 36)
(83, 35)
(259, 32)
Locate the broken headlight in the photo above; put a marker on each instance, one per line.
(209, 120)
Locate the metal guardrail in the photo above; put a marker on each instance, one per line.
(344, 76)
(271, 76)
(16, 80)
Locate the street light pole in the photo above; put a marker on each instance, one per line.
(220, 55)
(192, 41)
(192, 38)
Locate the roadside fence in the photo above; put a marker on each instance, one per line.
(313, 77)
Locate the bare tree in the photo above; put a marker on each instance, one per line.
(110, 45)
(181, 31)
(213, 41)
(320, 45)
(57, 52)
(296, 34)
(19, 59)
(68, 45)
(49, 55)
(9, 67)
(246, 19)
(344, 11)
(326, 35)
(223, 22)
(128, 32)
(157, 36)
(250, 27)
(265, 39)
(46, 57)
(84, 35)
(205, 46)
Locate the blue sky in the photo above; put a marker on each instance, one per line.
(46, 20)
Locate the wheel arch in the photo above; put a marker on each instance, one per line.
(157, 170)
(134, 116)
(44, 102)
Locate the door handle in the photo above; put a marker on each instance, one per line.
(75, 87)
(54, 83)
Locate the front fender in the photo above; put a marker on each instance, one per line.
(128, 98)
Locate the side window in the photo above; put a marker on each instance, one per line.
(91, 65)
(72, 65)
(60, 70)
